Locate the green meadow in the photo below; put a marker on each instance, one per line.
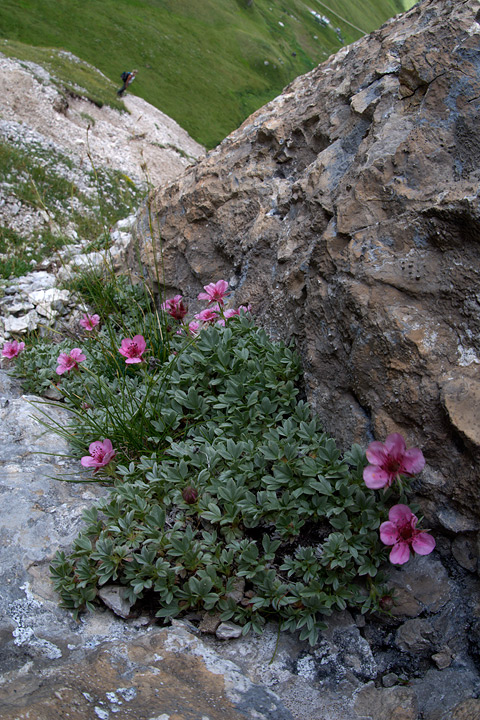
(206, 63)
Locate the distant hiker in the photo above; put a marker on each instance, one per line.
(128, 78)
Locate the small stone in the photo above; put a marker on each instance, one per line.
(464, 550)
(415, 635)
(389, 680)
(461, 397)
(419, 585)
(442, 659)
(404, 604)
(360, 620)
(228, 631)
(20, 308)
(395, 703)
(114, 598)
(238, 590)
(455, 522)
(209, 623)
(26, 323)
(53, 393)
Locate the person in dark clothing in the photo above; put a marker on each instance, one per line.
(128, 78)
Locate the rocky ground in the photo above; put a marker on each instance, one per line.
(420, 662)
(68, 168)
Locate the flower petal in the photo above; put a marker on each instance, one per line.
(376, 453)
(423, 543)
(139, 340)
(107, 445)
(400, 515)
(399, 554)
(388, 533)
(395, 445)
(375, 478)
(413, 461)
(88, 461)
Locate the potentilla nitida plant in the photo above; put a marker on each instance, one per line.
(215, 438)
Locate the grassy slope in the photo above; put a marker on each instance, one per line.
(203, 62)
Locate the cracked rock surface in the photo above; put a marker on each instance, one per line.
(423, 661)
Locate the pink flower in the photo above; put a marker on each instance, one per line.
(231, 312)
(389, 460)
(100, 454)
(12, 349)
(132, 349)
(214, 292)
(70, 361)
(193, 327)
(234, 312)
(89, 322)
(175, 307)
(400, 531)
(208, 315)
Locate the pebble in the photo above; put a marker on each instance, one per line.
(465, 551)
(389, 680)
(415, 635)
(209, 623)
(442, 659)
(114, 598)
(228, 631)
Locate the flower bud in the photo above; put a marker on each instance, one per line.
(386, 602)
(190, 495)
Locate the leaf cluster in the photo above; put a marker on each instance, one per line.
(275, 507)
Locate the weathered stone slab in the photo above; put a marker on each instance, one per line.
(166, 674)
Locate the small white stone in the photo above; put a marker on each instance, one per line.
(228, 630)
(26, 323)
(102, 714)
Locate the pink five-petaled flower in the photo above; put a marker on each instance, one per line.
(175, 307)
(89, 322)
(100, 454)
(214, 292)
(208, 315)
(12, 349)
(133, 349)
(389, 460)
(400, 531)
(67, 362)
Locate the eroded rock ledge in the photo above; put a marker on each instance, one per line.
(347, 212)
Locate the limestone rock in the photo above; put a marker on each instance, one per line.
(397, 703)
(160, 674)
(114, 598)
(415, 636)
(419, 585)
(465, 551)
(347, 212)
(442, 659)
(467, 710)
(25, 323)
(228, 631)
(209, 623)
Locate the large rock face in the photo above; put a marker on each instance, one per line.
(347, 212)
